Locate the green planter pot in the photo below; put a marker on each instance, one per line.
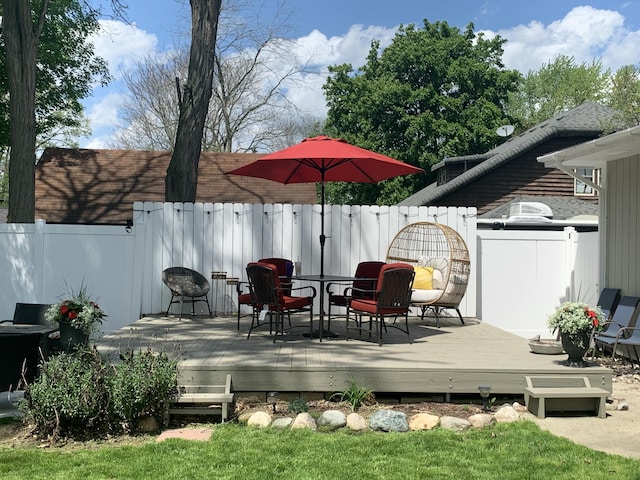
(71, 337)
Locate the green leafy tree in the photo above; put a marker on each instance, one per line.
(434, 92)
(557, 86)
(625, 95)
(47, 65)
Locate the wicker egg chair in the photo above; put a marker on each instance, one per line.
(440, 247)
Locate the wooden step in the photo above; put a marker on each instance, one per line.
(202, 400)
(563, 394)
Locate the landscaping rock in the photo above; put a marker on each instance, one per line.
(389, 421)
(423, 421)
(332, 419)
(246, 415)
(200, 434)
(356, 422)
(259, 419)
(148, 424)
(481, 420)
(455, 424)
(282, 423)
(507, 414)
(304, 420)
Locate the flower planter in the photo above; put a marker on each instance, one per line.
(71, 337)
(576, 346)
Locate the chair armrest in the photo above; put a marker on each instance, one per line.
(313, 290)
(331, 284)
(348, 292)
(239, 287)
(6, 321)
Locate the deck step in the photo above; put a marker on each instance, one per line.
(202, 400)
(563, 394)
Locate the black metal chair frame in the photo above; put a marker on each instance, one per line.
(265, 288)
(619, 326)
(392, 295)
(186, 286)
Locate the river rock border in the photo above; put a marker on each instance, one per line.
(385, 420)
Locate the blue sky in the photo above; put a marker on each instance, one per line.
(341, 32)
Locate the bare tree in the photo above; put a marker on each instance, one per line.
(253, 67)
(182, 175)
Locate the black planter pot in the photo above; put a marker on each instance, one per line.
(71, 337)
(575, 346)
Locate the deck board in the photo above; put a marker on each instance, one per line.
(453, 359)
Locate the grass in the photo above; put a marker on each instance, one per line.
(506, 451)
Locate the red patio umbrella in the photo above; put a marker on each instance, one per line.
(324, 159)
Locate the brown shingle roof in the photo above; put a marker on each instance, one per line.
(99, 186)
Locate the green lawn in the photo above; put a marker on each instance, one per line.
(506, 451)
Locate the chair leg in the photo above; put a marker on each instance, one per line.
(460, 315)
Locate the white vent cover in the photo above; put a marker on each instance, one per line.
(530, 209)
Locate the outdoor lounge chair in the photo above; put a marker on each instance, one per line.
(368, 273)
(391, 298)
(628, 337)
(267, 292)
(439, 252)
(619, 327)
(188, 286)
(608, 301)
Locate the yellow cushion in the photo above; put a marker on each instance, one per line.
(423, 278)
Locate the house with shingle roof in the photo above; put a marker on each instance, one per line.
(511, 170)
(92, 186)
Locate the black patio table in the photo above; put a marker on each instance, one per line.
(42, 330)
(323, 279)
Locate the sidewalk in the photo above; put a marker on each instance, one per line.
(619, 433)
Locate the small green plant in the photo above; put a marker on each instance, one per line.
(298, 405)
(355, 395)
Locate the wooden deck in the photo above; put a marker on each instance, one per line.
(452, 360)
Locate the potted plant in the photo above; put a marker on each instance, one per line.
(576, 321)
(78, 317)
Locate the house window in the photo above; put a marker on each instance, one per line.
(581, 188)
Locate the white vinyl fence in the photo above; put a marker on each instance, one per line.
(517, 279)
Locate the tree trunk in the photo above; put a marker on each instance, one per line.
(21, 45)
(182, 175)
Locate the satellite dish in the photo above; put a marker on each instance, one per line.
(505, 130)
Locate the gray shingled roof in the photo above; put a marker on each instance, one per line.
(563, 208)
(586, 118)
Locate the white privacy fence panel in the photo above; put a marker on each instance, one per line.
(41, 263)
(225, 237)
(517, 278)
(525, 275)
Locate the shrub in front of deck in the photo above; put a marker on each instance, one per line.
(81, 394)
(143, 381)
(71, 396)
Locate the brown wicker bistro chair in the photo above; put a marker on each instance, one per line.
(440, 254)
(188, 286)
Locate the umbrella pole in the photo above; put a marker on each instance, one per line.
(323, 238)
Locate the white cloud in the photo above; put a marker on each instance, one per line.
(123, 45)
(585, 33)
